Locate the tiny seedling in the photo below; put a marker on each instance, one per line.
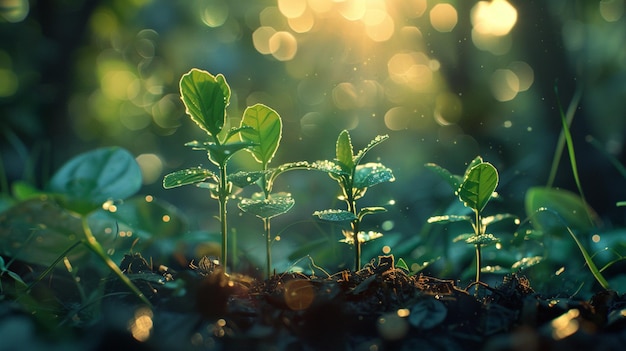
(474, 189)
(262, 126)
(354, 179)
(205, 98)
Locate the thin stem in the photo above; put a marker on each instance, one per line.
(478, 231)
(223, 198)
(95, 246)
(355, 235)
(266, 226)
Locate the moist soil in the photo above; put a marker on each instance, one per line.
(380, 307)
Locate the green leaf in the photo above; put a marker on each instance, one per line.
(370, 210)
(453, 180)
(220, 154)
(205, 97)
(188, 176)
(475, 162)
(23, 190)
(478, 186)
(90, 179)
(276, 204)
(526, 262)
(242, 179)
(329, 167)
(482, 239)
(370, 174)
(265, 132)
(489, 220)
(335, 215)
(563, 208)
(379, 139)
(401, 264)
(449, 219)
(345, 151)
(621, 204)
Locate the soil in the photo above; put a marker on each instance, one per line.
(380, 307)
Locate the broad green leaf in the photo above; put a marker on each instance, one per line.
(188, 176)
(552, 209)
(23, 190)
(39, 230)
(453, 180)
(483, 239)
(206, 98)
(478, 186)
(379, 139)
(475, 162)
(462, 237)
(370, 174)
(449, 219)
(335, 215)
(242, 179)
(265, 132)
(370, 210)
(90, 179)
(345, 151)
(362, 236)
(276, 204)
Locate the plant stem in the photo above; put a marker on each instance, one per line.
(478, 231)
(223, 198)
(266, 226)
(355, 235)
(95, 246)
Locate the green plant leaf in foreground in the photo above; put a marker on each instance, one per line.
(570, 207)
(335, 215)
(478, 186)
(344, 151)
(88, 180)
(370, 174)
(205, 97)
(188, 176)
(264, 133)
(276, 204)
(453, 180)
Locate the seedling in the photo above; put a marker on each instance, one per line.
(206, 97)
(262, 126)
(354, 179)
(474, 189)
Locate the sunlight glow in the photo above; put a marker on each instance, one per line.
(215, 13)
(611, 10)
(141, 326)
(443, 17)
(497, 17)
(151, 167)
(504, 85)
(292, 8)
(283, 46)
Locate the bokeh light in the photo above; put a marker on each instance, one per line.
(443, 17)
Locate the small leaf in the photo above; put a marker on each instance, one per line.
(478, 186)
(475, 162)
(370, 210)
(379, 139)
(453, 180)
(621, 204)
(206, 98)
(333, 169)
(220, 154)
(362, 236)
(242, 179)
(401, 264)
(449, 219)
(489, 220)
(483, 239)
(188, 176)
(370, 174)
(265, 132)
(276, 204)
(345, 151)
(88, 180)
(335, 215)
(462, 237)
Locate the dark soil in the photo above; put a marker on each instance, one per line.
(380, 307)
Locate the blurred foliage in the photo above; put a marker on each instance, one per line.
(447, 80)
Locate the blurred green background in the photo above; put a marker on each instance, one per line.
(447, 80)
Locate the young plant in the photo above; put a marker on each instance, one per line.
(205, 98)
(474, 189)
(262, 126)
(354, 179)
